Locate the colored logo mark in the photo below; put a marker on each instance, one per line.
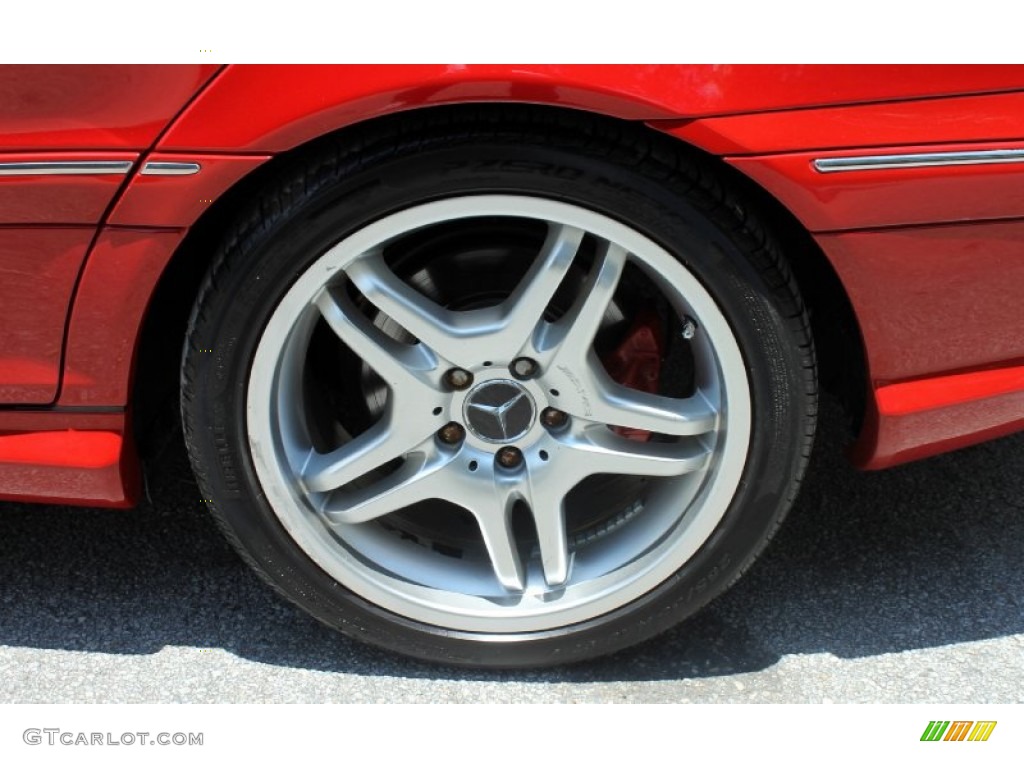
(958, 730)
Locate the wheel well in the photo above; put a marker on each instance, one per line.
(842, 367)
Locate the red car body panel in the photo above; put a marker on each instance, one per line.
(274, 108)
(930, 257)
(58, 200)
(934, 300)
(38, 268)
(110, 305)
(61, 114)
(64, 108)
(870, 200)
(925, 429)
(971, 118)
(66, 457)
(177, 201)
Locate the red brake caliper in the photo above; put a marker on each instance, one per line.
(636, 362)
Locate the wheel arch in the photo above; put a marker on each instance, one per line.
(835, 327)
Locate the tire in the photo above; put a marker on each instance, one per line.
(499, 387)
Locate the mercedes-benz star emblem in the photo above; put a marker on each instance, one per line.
(499, 411)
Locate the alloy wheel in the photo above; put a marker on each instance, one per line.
(496, 477)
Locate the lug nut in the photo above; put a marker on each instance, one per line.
(523, 368)
(456, 378)
(553, 418)
(510, 457)
(451, 433)
(689, 328)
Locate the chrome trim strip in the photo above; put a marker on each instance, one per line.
(66, 168)
(918, 160)
(170, 169)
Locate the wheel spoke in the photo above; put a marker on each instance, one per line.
(445, 332)
(524, 309)
(495, 523)
(465, 338)
(593, 396)
(544, 499)
(572, 335)
(419, 478)
(547, 506)
(388, 439)
(366, 452)
(402, 366)
(566, 350)
(601, 451)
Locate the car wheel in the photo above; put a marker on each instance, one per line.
(498, 387)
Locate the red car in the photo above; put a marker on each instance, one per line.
(502, 365)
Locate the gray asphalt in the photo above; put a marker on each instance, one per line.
(900, 586)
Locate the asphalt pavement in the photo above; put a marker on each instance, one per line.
(899, 586)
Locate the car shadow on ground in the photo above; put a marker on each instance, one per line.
(920, 556)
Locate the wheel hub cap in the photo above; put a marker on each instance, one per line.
(499, 411)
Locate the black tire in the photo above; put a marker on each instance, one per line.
(627, 173)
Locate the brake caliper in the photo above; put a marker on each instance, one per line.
(636, 362)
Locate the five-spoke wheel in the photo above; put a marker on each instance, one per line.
(501, 411)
